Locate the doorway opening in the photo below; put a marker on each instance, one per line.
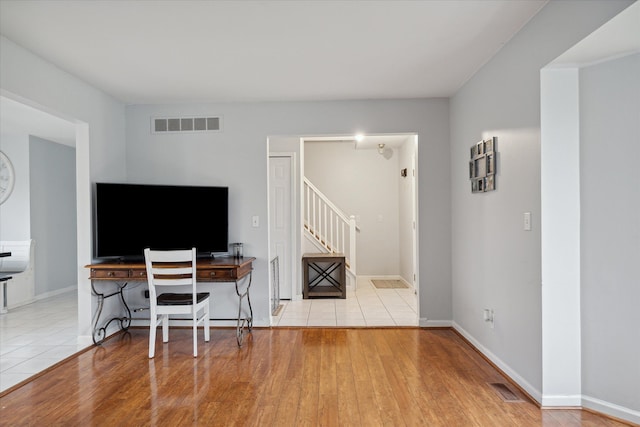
(373, 182)
(50, 154)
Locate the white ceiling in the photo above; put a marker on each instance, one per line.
(207, 51)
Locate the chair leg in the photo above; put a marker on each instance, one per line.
(165, 328)
(207, 335)
(195, 333)
(153, 324)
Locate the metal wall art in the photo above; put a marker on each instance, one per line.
(482, 166)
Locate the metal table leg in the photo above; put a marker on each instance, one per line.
(243, 321)
(99, 333)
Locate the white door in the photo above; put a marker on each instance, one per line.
(280, 219)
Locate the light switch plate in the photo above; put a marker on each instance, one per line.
(527, 221)
(255, 221)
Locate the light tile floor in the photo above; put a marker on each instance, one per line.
(36, 336)
(367, 306)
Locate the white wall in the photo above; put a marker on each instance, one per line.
(53, 215)
(495, 263)
(237, 157)
(100, 142)
(365, 184)
(610, 233)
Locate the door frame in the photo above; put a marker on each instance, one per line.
(83, 212)
(292, 207)
(416, 219)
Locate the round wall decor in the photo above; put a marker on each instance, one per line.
(7, 177)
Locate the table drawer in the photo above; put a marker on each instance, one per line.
(138, 274)
(215, 275)
(109, 274)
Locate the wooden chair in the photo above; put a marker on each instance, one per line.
(174, 268)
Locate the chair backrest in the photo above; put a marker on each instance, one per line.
(170, 268)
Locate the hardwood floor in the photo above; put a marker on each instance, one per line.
(280, 377)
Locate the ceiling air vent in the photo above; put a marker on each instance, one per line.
(185, 124)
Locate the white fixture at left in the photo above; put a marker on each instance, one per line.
(20, 289)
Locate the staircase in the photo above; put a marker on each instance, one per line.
(330, 229)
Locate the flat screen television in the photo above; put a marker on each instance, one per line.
(131, 217)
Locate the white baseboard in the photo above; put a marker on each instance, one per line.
(531, 390)
(55, 293)
(611, 409)
(423, 322)
(561, 401)
(548, 401)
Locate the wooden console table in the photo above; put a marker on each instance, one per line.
(223, 269)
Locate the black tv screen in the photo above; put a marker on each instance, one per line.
(131, 217)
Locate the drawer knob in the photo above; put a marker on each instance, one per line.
(213, 273)
(110, 274)
(141, 273)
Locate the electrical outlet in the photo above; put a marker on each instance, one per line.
(488, 315)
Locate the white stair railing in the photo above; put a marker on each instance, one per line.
(328, 225)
